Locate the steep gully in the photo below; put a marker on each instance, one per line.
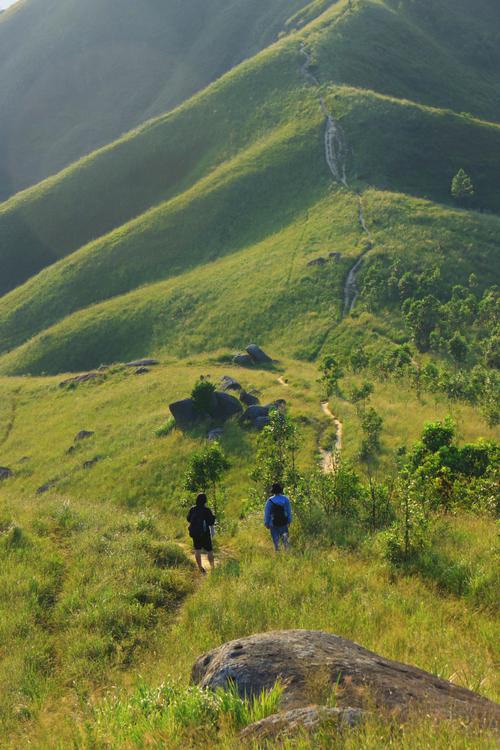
(336, 157)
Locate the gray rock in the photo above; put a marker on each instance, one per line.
(262, 422)
(258, 355)
(299, 657)
(183, 411)
(83, 435)
(316, 262)
(254, 412)
(91, 463)
(230, 384)
(248, 399)
(80, 379)
(5, 473)
(142, 363)
(309, 718)
(216, 434)
(142, 371)
(226, 406)
(46, 487)
(243, 360)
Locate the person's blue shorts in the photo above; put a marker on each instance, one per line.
(279, 532)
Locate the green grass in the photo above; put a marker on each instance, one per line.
(97, 589)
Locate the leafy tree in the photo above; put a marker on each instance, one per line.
(422, 316)
(331, 372)
(371, 424)
(457, 348)
(359, 396)
(359, 359)
(492, 352)
(276, 453)
(202, 395)
(205, 471)
(462, 188)
(438, 434)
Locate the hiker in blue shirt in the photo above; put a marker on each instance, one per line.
(278, 516)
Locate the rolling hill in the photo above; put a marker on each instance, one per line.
(75, 76)
(216, 183)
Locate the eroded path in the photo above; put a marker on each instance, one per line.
(330, 458)
(336, 152)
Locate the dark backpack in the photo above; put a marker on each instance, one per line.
(278, 514)
(198, 525)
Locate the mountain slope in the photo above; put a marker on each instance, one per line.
(74, 76)
(228, 174)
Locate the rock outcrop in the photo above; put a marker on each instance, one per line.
(309, 718)
(243, 360)
(142, 363)
(299, 657)
(80, 379)
(83, 435)
(223, 406)
(229, 384)
(258, 355)
(183, 411)
(5, 473)
(248, 398)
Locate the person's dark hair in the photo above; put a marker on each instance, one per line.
(201, 499)
(277, 488)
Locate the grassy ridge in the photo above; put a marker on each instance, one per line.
(266, 291)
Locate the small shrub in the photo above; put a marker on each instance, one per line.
(165, 428)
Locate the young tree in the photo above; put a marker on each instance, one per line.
(371, 425)
(276, 454)
(331, 372)
(457, 348)
(205, 471)
(422, 316)
(202, 395)
(359, 359)
(360, 396)
(462, 188)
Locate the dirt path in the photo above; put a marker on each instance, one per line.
(329, 459)
(282, 381)
(336, 151)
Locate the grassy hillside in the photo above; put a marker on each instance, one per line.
(393, 143)
(107, 593)
(76, 76)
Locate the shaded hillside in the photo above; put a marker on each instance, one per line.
(74, 76)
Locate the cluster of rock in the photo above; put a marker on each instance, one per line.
(253, 355)
(224, 406)
(363, 681)
(141, 366)
(321, 261)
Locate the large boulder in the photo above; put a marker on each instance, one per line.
(303, 658)
(278, 405)
(248, 398)
(262, 422)
(309, 718)
(254, 412)
(183, 411)
(225, 406)
(258, 355)
(243, 360)
(5, 473)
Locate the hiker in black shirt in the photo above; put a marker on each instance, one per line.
(201, 520)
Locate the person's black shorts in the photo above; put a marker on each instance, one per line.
(203, 542)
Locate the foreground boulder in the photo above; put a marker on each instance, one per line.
(302, 658)
(5, 473)
(229, 383)
(309, 718)
(243, 360)
(248, 398)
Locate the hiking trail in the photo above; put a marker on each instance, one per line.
(336, 151)
(330, 458)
